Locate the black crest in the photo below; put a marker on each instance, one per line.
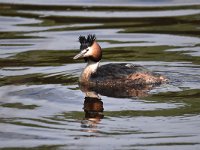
(86, 42)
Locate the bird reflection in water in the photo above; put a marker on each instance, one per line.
(93, 108)
(116, 92)
(93, 105)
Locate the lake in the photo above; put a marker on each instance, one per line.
(41, 104)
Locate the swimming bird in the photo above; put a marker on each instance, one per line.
(112, 74)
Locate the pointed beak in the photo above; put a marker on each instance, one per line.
(81, 54)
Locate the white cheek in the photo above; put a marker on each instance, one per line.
(88, 53)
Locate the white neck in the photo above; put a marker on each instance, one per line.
(90, 68)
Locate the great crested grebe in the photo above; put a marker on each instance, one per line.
(113, 74)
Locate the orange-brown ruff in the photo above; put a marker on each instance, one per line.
(113, 74)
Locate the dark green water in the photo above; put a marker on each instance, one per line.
(41, 104)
